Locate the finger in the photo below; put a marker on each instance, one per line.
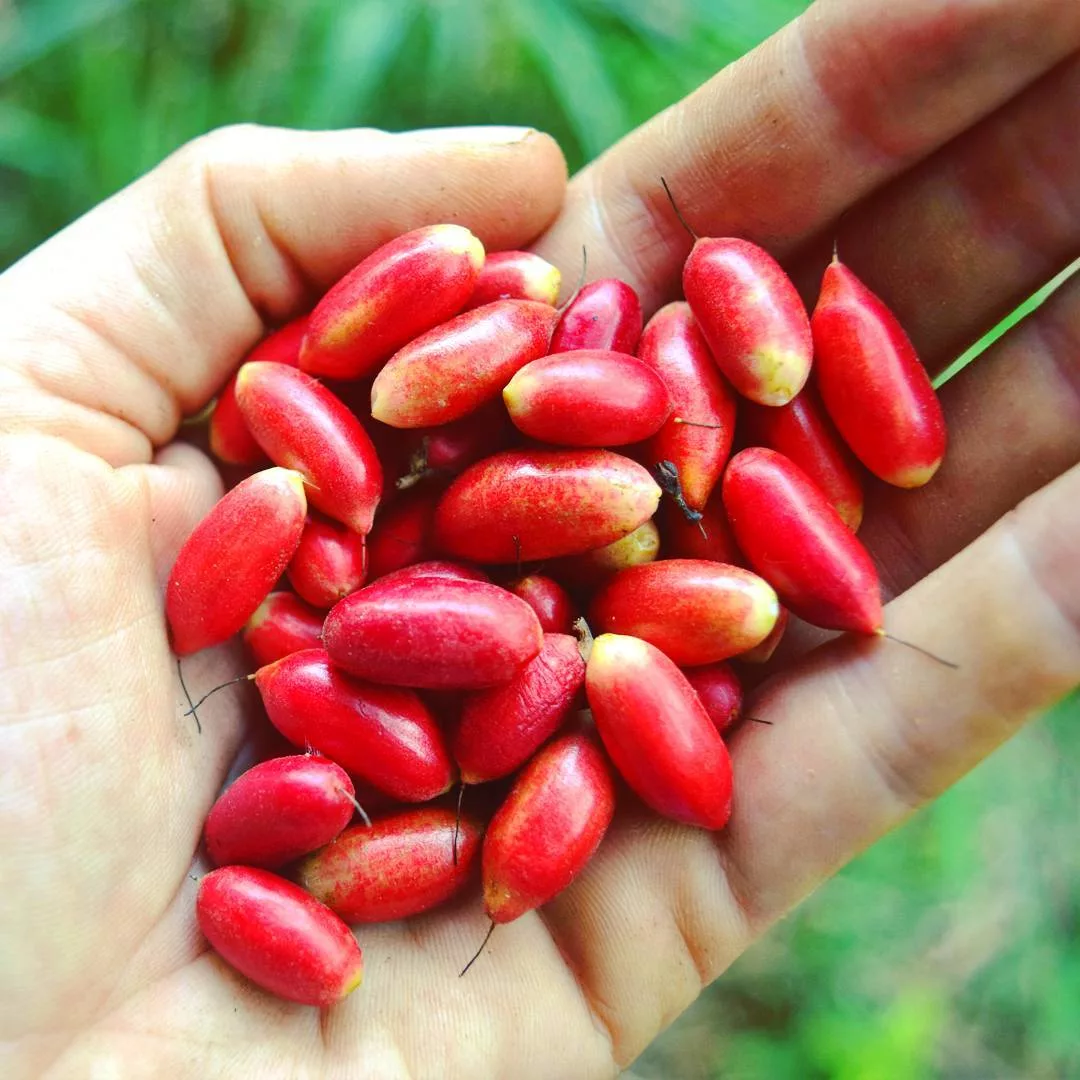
(862, 734)
(776, 146)
(134, 315)
(961, 240)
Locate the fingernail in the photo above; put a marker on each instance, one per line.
(489, 135)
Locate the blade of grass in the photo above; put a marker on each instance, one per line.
(1032, 304)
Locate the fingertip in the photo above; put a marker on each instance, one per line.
(511, 181)
(541, 188)
(470, 135)
(506, 185)
(242, 228)
(182, 455)
(182, 485)
(189, 475)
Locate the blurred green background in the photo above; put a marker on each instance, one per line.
(949, 950)
(94, 92)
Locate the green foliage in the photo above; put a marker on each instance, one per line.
(950, 949)
(95, 92)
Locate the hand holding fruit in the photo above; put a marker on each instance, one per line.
(109, 338)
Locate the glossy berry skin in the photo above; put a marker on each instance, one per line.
(279, 936)
(282, 624)
(435, 633)
(230, 440)
(803, 432)
(794, 538)
(450, 448)
(762, 653)
(711, 538)
(590, 397)
(873, 385)
(329, 563)
(516, 275)
(233, 558)
(657, 732)
(548, 828)
(696, 612)
(605, 314)
(551, 602)
(460, 365)
(302, 425)
(391, 446)
(674, 347)
(401, 290)
(554, 502)
(587, 571)
(401, 866)
(430, 568)
(752, 317)
(402, 533)
(502, 727)
(442, 452)
(279, 810)
(383, 735)
(720, 692)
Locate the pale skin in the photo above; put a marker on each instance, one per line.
(946, 129)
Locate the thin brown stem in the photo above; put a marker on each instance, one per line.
(215, 689)
(695, 423)
(919, 649)
(356, 805)
(483, 946)
(580, 283)
(678, 212)
(191, 708)
(457, 819)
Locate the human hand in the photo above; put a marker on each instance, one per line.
(930, 141)
(106, 785)
(111, 332)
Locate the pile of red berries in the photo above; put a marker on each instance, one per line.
(447, 503)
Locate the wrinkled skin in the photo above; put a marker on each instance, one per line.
(947, 128)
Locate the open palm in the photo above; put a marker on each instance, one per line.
(943, 133)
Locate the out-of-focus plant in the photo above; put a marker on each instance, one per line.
(950, 949)
(93, 92)
(953, 947)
